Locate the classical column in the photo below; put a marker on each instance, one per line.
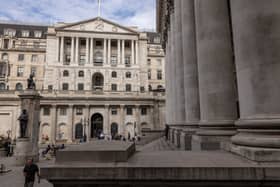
(109, 51)
(57, 49)
(71, 128)
(87, 50)
(119, 51)
(72, 49)
(136, 51)
(132, 52)
(104, 50)
(122, 122)
(62, 49)
(218, 109)
(137, 111)
(257, 44)
(87, 122)
(77, 51)
(123, 52)
(179, 66)
(53, 123)
(168, 81)
(192, 111)
(91, 51)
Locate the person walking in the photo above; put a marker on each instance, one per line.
(29, 171)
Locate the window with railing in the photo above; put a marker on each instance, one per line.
(127, 61)
(114, 60)
(98, 59)
(20, 70)
(82, 60)
(67, 60)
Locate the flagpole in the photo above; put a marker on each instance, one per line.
(99, 6)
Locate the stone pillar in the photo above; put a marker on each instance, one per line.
(122, 122)
(109, 51)
(106, 120)
(77, 50)
(72, 49)
(71, 128)
(62, 49)
(57, 49)
(178, 63)
(27, 146)
(87, 50)
(104, 51)
(192, 111)
(91, 51)
(119, 51)
(138, 120)
(168, 81)
(123, 52)
(257, 44)
(136, 52)
(132, 52)
(218, 109)
(87, 113)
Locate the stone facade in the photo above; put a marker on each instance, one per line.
(230, 72)
(94, 78)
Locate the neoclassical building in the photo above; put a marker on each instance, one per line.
(95, 78)
(223, 74)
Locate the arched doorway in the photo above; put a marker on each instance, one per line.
(114, 130)
(79, 131)
(96, 125)
(97, 82)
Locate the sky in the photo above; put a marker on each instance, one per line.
(139, 13)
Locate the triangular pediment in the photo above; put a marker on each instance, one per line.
(97, 24)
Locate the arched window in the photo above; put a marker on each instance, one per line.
(81, 74)
(19, 86)
(114, 74)
(5, 56)
(65, 73)
(79, 131)
(128, 74)
(2, 86)
(97, 81)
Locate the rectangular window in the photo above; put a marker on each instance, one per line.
(65, 86)
(46, 111)
(128, 87)
(159, 74)
(80, 86)
(98, 43)
(79, 111)
(36, 44)
(114, 60)
(25, 33)
(37, 34)
(23, 43)
(67, 60)
(6, 43)
(114, 111)
(142, 89)
(50, 87)
(149, 61)
(82, 60)
(149, 74)
(34, 58)
(127, 61)
(114, 87)
(129, 111)
(33, 71)
(63, 111)
(20, 71)
(21, 57)
(143, 111)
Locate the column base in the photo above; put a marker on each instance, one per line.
(24, 150)
(208, 143)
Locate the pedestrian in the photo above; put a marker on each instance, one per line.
(30, 169)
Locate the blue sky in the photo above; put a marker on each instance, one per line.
(139, 13)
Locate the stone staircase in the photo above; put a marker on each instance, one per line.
(158, 145)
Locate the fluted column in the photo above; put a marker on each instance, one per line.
(136, 51)
(77, 50)
(53, 123)
(216, 78)
(109, 51)
(132, 52)
(71, 128)
(87, 122)
(57, 49)
(173, 114)
(91, 51)
(179, 70)
(257, 44)
(62, 49)
(87, 50)
(192, 111)
(104, 50)
(119, 52)
(123, 52)
(72, 49)
(122, 122)
(168, 81)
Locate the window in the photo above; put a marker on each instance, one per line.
(19, 86)
(127, 44)
(3, 69)
(34, 58)
(114, 74)
(81, 74)
(6, 43)
(5, 56)
(36, 44)
(143, 111)
(79, 111)
(65, 73)
(37, 34)
(114, 60)
(14, 44)
(159, 74)
(2, 86)
(20, 71)
(127, 61)
(157, 40)
(25, 33)
(67, 60)
(114, 111)
(149, 74)
(129, 111)
(149, 61)
(128, 87)
(23, 43)
(114, 43)
(33, 71)
(21, 57)
(114, 87)
(46, 111)
(9, 32)
(50, 87)
(142, 89)
(128, 75)
(65, 86)
(159, 62)
(68, 42)
(150, 88)
(82, 60)
(98, 43)
(98, 58)
(63, 111)
(80, 86)
(83, 42)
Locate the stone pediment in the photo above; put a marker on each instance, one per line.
(97, 25)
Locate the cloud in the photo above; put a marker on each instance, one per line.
(126, 12)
